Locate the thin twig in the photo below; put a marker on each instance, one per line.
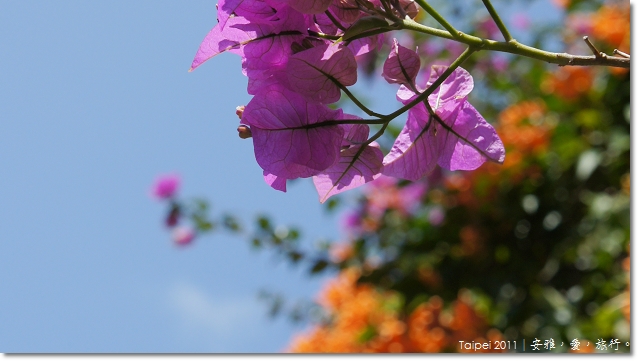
(593, 49)
(624, 55)
(323, 36)
(440, 19)
(399, 9)
(335, 21)
(497, 20)
(357, 102)
(514, 47)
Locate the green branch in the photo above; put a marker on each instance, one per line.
(514, 47)
(440, 19)
(497, 20)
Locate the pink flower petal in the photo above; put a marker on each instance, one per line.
(469, 141)
(288, 137)
(310, 6)
(415, 151)
(278, 183)
(402, 65)
(313, 72)
(353, 169)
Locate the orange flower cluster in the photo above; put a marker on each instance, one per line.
(360, 322)
(521, 126)
(363, 321)
(525, 132)
(612, 24)
(568, 83)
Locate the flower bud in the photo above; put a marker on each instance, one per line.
(173, 216)
(182, 236)
(240, 111)
(244, 131)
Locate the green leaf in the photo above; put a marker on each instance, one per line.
(202, 205)
(256, 243)
(294, 256)
(319, 266)
(332, 204)
(205, 226)
(231, 223)
(263, 223)
(367, 334)
(364, 25)
(293, 234)
(201, 223)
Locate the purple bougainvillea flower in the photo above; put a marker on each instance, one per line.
(278, 183)
(346, 10)
(265, 58)
(354, 168)
(365, 45)
(452, 92)
(415, 151)
(310, 6)
(165, 186)
(263, 38)
(467, 140)
(252, 10)
(460, 139)
(354, 134)
(323, 24)
(266, 79)
(314, 72)
(238, 31)
(402, 65)
(457, 86)
(289, 138)
(268, 55)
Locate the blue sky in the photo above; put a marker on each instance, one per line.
(95, 102)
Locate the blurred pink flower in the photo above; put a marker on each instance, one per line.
(182, 236)
(520, 21)
(580, 23)
(165, 186)
(430, 48)
(411, 195)
(499, 63)
(436, 216)
(488, 27)
(340, 252)
(351, 221)
(384, 193)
